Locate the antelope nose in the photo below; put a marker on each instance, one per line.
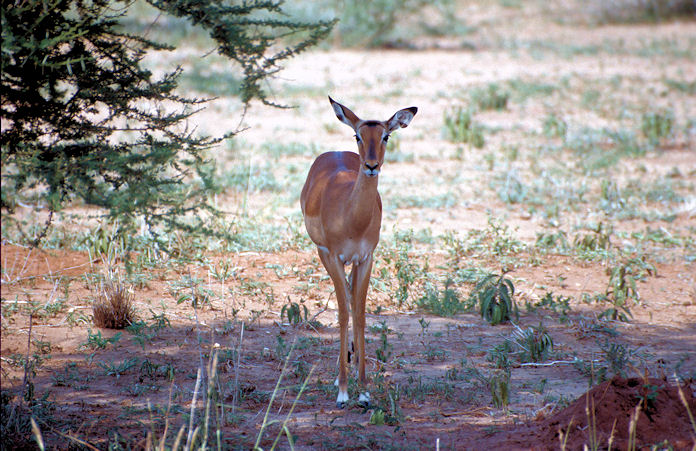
(371, 168)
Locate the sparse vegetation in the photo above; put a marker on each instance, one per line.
(460, 127)
(444, 302)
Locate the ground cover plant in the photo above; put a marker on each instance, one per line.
(559, 159)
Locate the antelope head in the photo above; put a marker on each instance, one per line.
(372, 136)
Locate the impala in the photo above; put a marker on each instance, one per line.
(343, 213)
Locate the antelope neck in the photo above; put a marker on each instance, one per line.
(362, 199)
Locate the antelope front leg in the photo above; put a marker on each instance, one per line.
(337, 273)
(360, 281)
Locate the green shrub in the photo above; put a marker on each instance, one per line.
(459, 126)
(492, 97)
(382, 22)
(657, 125)
(443, 303)
(495, 295)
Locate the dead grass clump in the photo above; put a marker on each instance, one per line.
(113, 308)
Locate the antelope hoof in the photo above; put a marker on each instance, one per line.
(364, 400)
(342, 399)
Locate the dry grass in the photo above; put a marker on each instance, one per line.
(113, 308)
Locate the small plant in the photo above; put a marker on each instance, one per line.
(266, 423)
(657, 125)
(105, 242)
(113, 308)
(294, 313)
(160, 321)
(559, 304)
(281, 348)
(495, 295)
(554, 126)
(96, 341)
(142, 333)
(442, 303)
(499, 386)
(384, 351)
(617, 356)
(407, 272)
(461, 128)
(378, 417)
(535, 343)
(69, 377)
(117, 369)
(499, 356)
(597, 241)
(188, 290)
(648, 396)
(386, 402)
(620, 291)
(595, 373)
(492, 97)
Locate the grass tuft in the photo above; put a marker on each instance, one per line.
(113, 308)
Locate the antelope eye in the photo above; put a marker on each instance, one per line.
(386, 138)
(357, 138)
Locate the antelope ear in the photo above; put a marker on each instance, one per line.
(344, 114)
(401, 118)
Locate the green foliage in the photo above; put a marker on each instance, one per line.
(560, 304)
(294, 313)
(406, 270)
(535, 343)
(117, 369)
(142, 333)
(380, 22)
(459, 126)
(84, 121)
(495, 295)
(385, 399)
(602, 148)
(491, 97)
(96, 341)
(17, 414)
(618, 357)
(247, 32)
(554, 126)
(105, 241)
(557, 241)
(188, 289)
(499, 386)
(620, 291)
(496, 239)
(687, 87)
(657, 125)
(499, 356)
(509, 187)
(597, 241)
(384, 351)
(442, 303)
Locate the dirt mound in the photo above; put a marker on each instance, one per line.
(663, 416)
